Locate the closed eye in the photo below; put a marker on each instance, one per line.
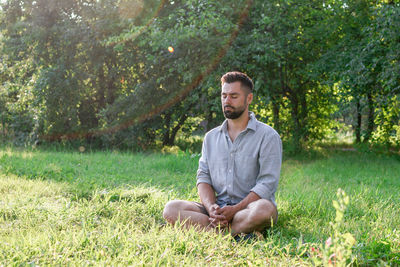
(233, 96)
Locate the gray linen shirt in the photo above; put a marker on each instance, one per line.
(252, 163)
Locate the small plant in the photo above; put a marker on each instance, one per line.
(337, 250)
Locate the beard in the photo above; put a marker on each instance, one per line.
(234, 113)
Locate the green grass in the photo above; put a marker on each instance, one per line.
(105, 208)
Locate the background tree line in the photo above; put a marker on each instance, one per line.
(100, 72)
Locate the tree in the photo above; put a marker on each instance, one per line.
(366, 58)
(280, 46)
(167, 84)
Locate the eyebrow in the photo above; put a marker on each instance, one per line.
(222, 93)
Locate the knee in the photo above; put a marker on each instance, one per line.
(265, 210)
(171, 211)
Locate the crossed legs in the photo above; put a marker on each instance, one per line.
(255, 217)
(187, 212)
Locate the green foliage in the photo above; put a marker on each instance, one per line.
(284, 55)
(388, 121)
(102, 72)
(167, 90)
(367, 66)
(190, 144)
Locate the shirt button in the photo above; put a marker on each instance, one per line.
(230, 170)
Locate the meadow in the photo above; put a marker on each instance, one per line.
(105, 208)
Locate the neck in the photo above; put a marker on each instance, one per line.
(239, 124)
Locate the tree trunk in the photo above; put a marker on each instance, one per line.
(296, 123)
(3, 130)
(209, 120)
(275, 114)
(175, 130)
(170, 134)
(370, 126)
(101, 89)
(358, 125)
(167, 121)
(181, 121)
(110, 91)
(303, 117)
(294, 102)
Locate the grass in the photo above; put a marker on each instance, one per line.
(105, 208)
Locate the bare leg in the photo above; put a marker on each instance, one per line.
(256, 217)
(188, 212)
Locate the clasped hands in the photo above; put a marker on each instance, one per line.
(221, 217)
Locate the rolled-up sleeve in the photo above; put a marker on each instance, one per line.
(203, 173)
(270, 162)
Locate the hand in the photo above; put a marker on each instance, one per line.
(228, 212)
(216, 218)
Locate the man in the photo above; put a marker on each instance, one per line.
(238, 171)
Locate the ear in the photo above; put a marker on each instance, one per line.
(249, 98)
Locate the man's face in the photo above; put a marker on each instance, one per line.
(234, 100)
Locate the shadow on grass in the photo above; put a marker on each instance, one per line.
(88, 173)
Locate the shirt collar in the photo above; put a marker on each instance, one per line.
(252, 124)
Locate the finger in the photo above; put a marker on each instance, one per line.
(224, 213)
(213, 222)
(216, 220)
(218, 216)
(219, 224)
(224, 222)
(224, 209)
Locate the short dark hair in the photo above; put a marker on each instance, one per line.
(237, 76)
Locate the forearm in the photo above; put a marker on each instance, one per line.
(230, 211)
(251, 197)
(207, 195)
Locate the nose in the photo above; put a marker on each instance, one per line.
(227, 100)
